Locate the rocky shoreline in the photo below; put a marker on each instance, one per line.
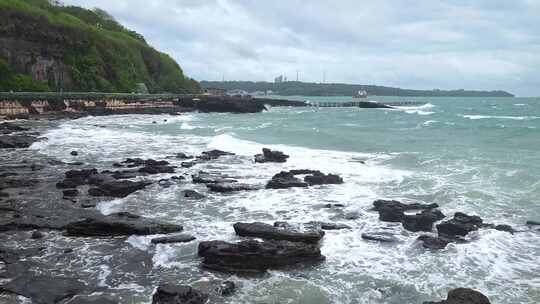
(52, 204)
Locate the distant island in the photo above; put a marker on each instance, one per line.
(291, 88)
(46, 46)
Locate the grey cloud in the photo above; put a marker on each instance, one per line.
(483, 44)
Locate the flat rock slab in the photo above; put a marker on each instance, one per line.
(182, 294)
(380, 236)
(211, 178)
(119, 224)
(232, 187)
(255, 256)
(269, 232)
(16, 141)
(43, 289)
(180, 238)
(117, 188)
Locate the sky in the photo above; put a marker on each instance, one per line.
(422, 44)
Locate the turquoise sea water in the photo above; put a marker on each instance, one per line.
(475, 155)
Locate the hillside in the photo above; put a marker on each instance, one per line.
(340, 89)
(49, 47)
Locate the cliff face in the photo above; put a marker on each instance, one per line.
(75, 49)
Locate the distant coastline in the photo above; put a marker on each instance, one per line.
(291, 88)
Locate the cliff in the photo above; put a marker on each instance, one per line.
(44, 47)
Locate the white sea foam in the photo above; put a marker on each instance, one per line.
(429, 122)
(476, 117)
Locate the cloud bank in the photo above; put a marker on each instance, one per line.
(482, 44)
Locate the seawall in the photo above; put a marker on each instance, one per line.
(28, 105)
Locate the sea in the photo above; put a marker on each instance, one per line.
(480, 156)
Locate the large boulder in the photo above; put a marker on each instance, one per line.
(284, 180)
(120, 189)
(119, 224)
(323, 179)
(422, 221)
(266, 231)
(179, 238)
(269, 156)
(256, 256)
(432, 242)
(394, 211)
(460, 225)
(463, 296)
(172, 294)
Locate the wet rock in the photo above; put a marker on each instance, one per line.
(380, 236)
(8, 128)
(266, 231)
(119, 224)
(271, 156)
(36, 235)
(323, 179)
(285, 180)
(532, 223)
(211, 178)
(171, 294)
(326, 226)
(460, 225)
(180, 238)
(117, 188)
(16, 141)
(505, 228)
(93, 299)
(422, 221)
(463, 296)
(334, 206)
(431, 242)
(192, 194)
(165, 183)
(118, 165)
(187, 164)
(153, 169)
(213, 154)
(231, 187)
(255, 256)
(70, 192)
(137, 162)
(394, 211)
(182, 155)
(226, 288)
(44, 289)
(74, 153)
(81, 174)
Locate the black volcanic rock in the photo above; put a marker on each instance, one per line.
(379, 236)
(422, 221)
(8, 128)
(179, 238)
(213, 154)
(16, 141)
(117, 188)
(211, 178)
(463, 296)
(460, 225)
(284, 180)
(231, 187)
(119, 224)
(431, 242)
(172, 294)
(269, 156)
(323, 179)
(394, 211)
(266, 231)
(255, 256)
(192, 194)
(43, 289)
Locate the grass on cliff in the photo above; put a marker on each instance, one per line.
(102, 55)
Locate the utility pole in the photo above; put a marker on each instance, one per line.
(324, 77)
(297, 75)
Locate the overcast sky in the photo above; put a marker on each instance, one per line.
(486, 44)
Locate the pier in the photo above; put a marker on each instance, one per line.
(363, 104)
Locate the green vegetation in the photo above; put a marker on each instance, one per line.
(291, 88)
(94, 51)
(12, 81)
